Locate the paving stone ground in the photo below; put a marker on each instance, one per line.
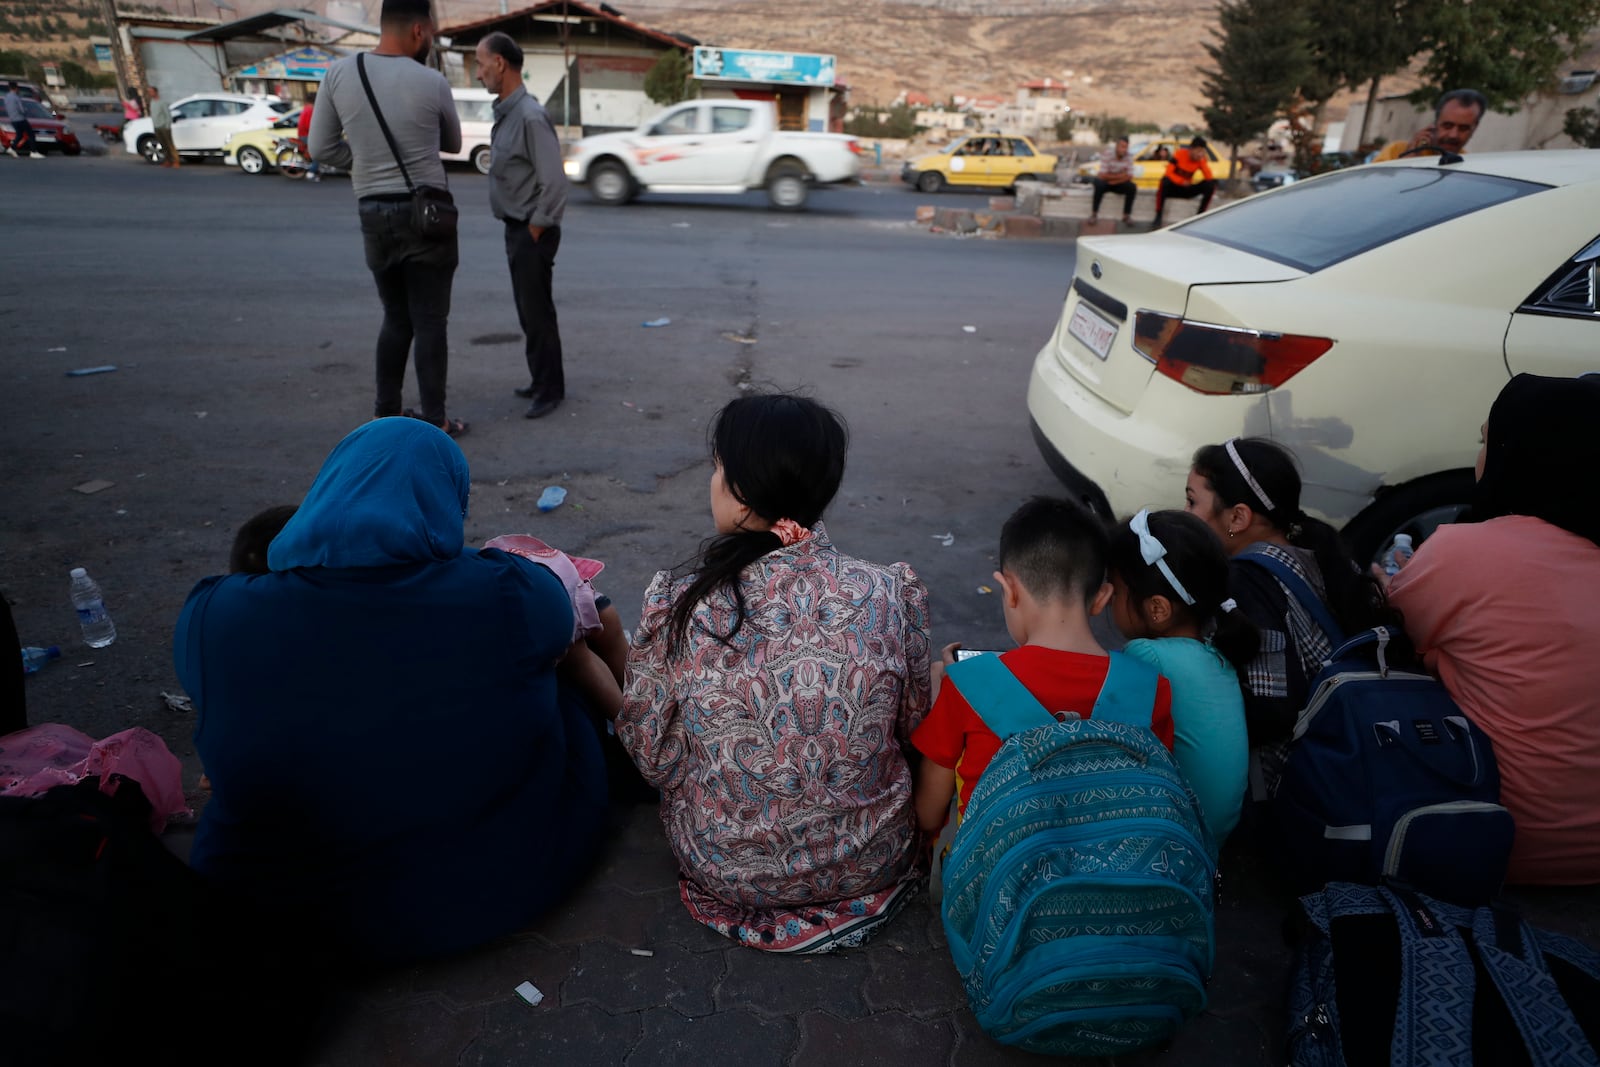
(699, 999)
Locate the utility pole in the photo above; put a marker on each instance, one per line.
(119, 57)
(566, 71)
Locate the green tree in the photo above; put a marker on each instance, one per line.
(1583, 126)
(1261, 58)
(1505, 49)
(898, 122)
(669, 80)
(1360, 42)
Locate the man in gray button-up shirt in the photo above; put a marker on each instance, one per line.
(528, 192)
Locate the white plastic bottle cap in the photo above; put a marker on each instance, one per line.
(79, 572)
(1403, 540)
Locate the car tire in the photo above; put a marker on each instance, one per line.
(1417, 508)
(480, 159)
(787, 188)
(251, 160)
(152, 149)
(610, 183)
(930, 181)
(72, 150)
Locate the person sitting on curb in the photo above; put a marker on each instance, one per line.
(772, 690)
(1505, 606)
(1052, 579)
(1115, 176)
(1179, 181)
(397, 728)
(1456, 115)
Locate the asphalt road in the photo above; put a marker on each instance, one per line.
(241, 318)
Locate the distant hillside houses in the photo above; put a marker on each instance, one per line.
(1035, 109)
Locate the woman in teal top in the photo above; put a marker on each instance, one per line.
(1170, 578)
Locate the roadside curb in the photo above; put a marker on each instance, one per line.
(1002, 220)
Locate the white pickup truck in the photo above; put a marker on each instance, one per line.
(713, 146)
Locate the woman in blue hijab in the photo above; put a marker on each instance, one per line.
(391, 757)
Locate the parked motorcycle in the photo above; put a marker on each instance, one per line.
(108, 133)
(294, 162)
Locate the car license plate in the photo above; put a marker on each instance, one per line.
(1088, 326)
(45, 136)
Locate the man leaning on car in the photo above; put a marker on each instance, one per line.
(1455, 119)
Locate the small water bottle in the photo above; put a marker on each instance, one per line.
(1398, 554)
(34, 658)
(98, 629)
(551, 498)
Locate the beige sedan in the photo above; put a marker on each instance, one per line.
(1365, 318)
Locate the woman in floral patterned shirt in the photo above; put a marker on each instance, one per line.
(771, 692)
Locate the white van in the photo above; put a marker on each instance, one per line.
(476, 110)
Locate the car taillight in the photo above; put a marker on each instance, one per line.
(1223, 360)
(855, 147)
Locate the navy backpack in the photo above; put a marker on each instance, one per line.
(1387, 976)
(1386, 777)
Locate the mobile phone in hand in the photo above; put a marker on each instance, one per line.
(968, 653)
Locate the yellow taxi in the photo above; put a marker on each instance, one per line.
(255, 151)
(1150, 163)
(982, 159)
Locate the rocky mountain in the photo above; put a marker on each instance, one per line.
(1134, 59)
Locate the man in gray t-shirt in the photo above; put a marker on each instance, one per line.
(414, 273)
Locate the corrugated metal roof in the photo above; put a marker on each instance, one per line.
(604, 13)
(268, 20)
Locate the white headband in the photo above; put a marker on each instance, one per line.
(1154, 552)
(1244, 472)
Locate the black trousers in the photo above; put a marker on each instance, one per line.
(414, 275)
(1125, 188)
(22, 140)
(1169, 188)
(533, 265)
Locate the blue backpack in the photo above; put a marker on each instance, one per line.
(1387, 976)
(1386, 778)
(1079, 893)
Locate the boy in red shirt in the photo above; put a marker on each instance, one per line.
(1052, 578)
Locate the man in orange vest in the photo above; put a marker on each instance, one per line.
(1182, 178)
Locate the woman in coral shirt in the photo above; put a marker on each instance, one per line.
(1506, 610)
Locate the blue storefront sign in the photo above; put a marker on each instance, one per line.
(103, 58)
(301, 64)
(785, 68)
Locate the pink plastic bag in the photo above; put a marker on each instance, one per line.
(575, 573)
(40, 757)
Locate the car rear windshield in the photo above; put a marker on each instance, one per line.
(1320, 223)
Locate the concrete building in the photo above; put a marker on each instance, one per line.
(1038, 107)
(585, 63)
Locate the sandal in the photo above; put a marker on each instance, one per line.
(453, 427)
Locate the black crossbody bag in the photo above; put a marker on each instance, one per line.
(433, 211)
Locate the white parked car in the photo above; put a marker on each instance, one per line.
(203, 124)
(475, 108)
(713, 146)
(1365, 318)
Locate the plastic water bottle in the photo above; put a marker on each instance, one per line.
(98, 629)
(34, 658)
(1398, 554)
(551, 498)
